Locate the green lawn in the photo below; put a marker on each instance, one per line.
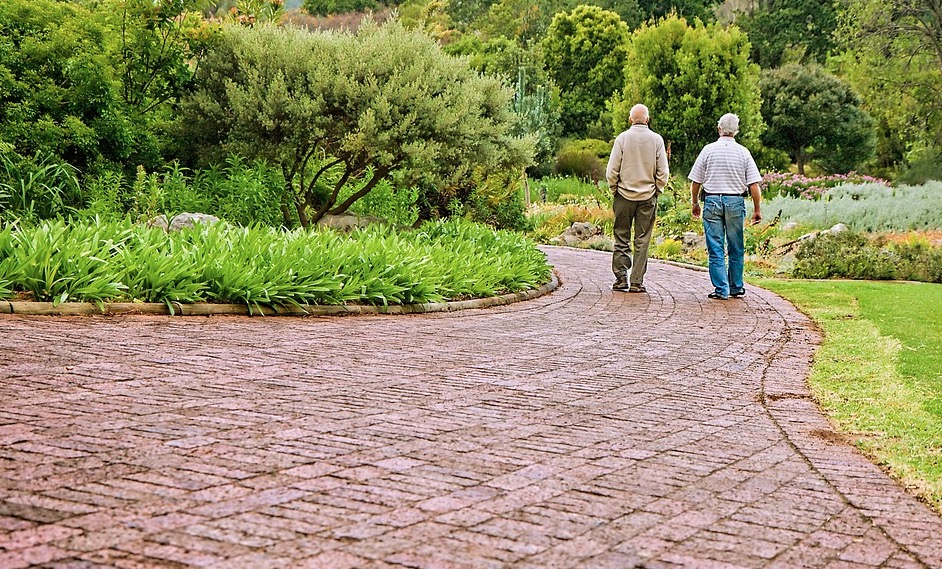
(879, 373)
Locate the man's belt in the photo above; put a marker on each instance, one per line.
(742, 195)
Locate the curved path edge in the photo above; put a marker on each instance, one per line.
(208, 309)
(787, 398)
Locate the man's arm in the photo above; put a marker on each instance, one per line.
(695, 199)
(613, 171)
(756, 198)
(662, 170)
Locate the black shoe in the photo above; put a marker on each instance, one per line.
(738, 294)
(621, 285)
(715, 296)
(637, 288)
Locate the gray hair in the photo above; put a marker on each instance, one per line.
(728, 124)
(639, 114)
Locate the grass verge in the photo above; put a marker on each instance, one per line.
(879, 373)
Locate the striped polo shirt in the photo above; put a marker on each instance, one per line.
(725, 167)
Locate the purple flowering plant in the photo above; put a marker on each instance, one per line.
(810, 188)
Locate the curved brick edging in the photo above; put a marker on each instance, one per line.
(209, 309)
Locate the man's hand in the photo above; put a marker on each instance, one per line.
(756, 199)
(695, 199)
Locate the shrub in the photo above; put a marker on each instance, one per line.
(599, 148)
(786, 184)
(244, 192)
(582, 164)
(668, 249)
(41, 187)
(867, 207)
(924, 167)
(845, 254)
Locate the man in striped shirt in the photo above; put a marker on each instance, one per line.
(727, 173)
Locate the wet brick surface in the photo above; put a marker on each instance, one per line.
(584, 429)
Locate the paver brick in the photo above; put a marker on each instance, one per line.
(583, 429)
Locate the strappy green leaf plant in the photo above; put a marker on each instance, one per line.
(264, 267)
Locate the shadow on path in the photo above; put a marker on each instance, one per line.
(582, 429)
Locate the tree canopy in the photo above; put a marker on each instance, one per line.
(893, 57)
(584, 54)
(689, 76)
(790, 31)
(813, 115)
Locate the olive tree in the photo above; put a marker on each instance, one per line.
(814, 115)
(689, 76)
(337, 110)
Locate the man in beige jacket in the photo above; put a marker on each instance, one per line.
(637, 172)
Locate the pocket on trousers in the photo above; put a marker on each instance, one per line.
(712, 209)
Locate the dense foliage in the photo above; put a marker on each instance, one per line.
(813, 115)
(851, 255)
(790, 31)
(584, 54)
(332, 108)
(871, 207)
(689, 76)
(119, 261)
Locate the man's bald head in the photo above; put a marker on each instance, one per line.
(639, 114)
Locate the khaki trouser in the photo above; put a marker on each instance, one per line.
(639, 215)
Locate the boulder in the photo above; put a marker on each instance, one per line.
(181, 221)
(348, 221)
(577, 234)
(692, 240)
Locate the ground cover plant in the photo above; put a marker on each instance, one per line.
(120, 261)
(878, 374)
(870, 207)
(788, 184)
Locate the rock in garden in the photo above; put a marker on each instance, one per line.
(348, 221)
(181, 221)
(692, 240)
(578, 232)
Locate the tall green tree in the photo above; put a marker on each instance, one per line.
(689, 76)
(790, 31)
(584, 54)
(59, 94)
(338, 110)
(688, 9)
(814, 115)
(893, 57)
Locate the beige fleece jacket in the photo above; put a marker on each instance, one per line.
(638, 164)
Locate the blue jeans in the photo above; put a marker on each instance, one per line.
(724, 218)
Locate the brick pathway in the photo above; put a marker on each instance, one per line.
(583, 429)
